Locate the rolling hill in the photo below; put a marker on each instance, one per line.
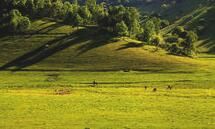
(197, 15)
(202, 21)
(54, 46)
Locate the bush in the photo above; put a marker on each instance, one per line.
(164, 23)
(24, 24)
(183, 42)
(172, 39)
(175, 49)
(158, 40)
(178, 30)
(17, 22)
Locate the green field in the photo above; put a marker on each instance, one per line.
(51, 87)
(69, 100)
(108, 108)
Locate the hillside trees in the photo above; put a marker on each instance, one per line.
(183, 42)
(149, 31)
(78, 20)
(90, 13)
(121, 29)
(122, 17)
(118, 20)
(152, 27)
(16, 22)
(85, 13)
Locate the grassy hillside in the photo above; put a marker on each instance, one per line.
(197, 15)
(53, 46)
(170, 9)
(202, 21)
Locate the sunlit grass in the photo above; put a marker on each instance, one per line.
(107, 108)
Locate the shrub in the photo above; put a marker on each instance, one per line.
(17, 22)
(178, 30)
(158, 40)
(164, 23)
(24, 24)
(175, 49)
(172, 39)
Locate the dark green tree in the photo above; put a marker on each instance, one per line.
(23, 25)
(149, 31)
(188, 43)
(85, 13)
(77, 21)
(17, 22)
(57, 9)
(121, 29)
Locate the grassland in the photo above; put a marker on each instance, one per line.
(50, 87)
(107, 108)
(32, 100)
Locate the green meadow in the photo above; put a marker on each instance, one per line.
(106, 108)
(70, 100)
(52, 87)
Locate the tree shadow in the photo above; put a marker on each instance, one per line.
(30, 34)
(96, 38)
(86, 36)
(45, 30)
(130, 45)
(209, 44)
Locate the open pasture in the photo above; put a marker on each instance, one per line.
(69, 100)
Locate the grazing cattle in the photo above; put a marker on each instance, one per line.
(169, 87)
(154, 89)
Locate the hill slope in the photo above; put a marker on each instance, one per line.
(52, 46)
(202, 21)
(197, 15)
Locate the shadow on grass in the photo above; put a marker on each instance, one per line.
(130, 45)
(30, 34)
(90, 37)
(209, 44)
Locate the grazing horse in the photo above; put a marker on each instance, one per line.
(169, 87)
(154, 89)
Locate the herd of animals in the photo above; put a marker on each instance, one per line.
(94, 84)
(169, 87)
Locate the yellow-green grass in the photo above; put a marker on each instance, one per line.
(75, 57)
(107, 108)
(84, 48)
(23, 80)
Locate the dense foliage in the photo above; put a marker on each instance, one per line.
(181, 42)
(14, 22)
